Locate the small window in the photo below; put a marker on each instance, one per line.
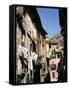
(53, 67)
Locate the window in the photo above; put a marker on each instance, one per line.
(53, 75)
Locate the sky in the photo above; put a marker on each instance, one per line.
(50, 20)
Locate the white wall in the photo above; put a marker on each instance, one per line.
(4, 44)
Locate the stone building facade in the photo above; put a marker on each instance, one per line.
(54, 58)
(30, 31)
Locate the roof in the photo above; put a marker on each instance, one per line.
(53, 43)
(35, 18)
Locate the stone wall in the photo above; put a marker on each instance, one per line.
(31, 35)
